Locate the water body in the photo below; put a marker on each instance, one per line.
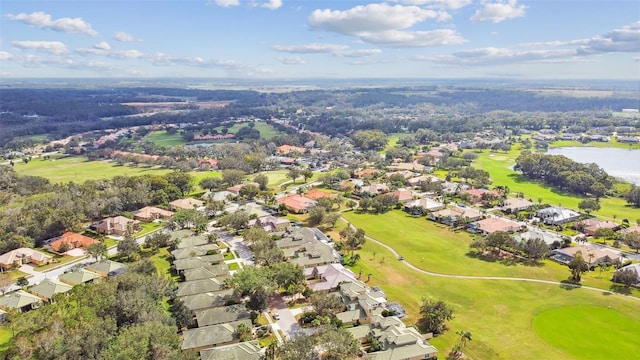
(621, 163)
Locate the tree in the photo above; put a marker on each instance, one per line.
(535, 248)
(306, 174)
(211, 183)
(262, 181)
(627, 277)
(97, 249)
(293, 173)
(433, 314)
(181, 313)
(300, 347)
(316, 215)
(256, 283)
(22, 281)
(578, 266)
(336, 343)
(157, 240)
(632, 240)
(325, 304)
(5, 282)
(589, 205)
(237, 220)
(128, 247)
(499, 240)
(249, 191)
(189, 219)
(182, 180)
(287, 274)
(633, 196)
(243, 332)
(370, 139)
(232, 177)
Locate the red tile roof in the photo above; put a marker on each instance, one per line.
(73, 240)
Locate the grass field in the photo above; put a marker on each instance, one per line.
(599, 144)
(436, 248)
(162, 138)
(5, 338)
(499, 314)
(499, 167)
(557, 327)
(79, 169)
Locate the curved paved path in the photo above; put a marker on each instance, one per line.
(499, 278)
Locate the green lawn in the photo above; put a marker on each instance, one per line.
(499, 165)
(599, 144)
(499, 314)
(148, 228)
(162, 138)
(162, 260)
(5, 337)
(435, 247)
(558, 327)
(79, 169)
(393, 141)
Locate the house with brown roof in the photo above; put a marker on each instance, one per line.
(71, 240)
(150, 213)
(404, 196)
(424, 179)
(367, 173)
(374, 189)
(296, 203)
(591, 254)
(271, 223)
(315, 194)
(407, 174)
(513, 205)
(186, 204)
(477, 194)
(590, 226)
(235, 190)
(327, 277)
(425, 204)
(630, 229)
(21, 256)
(490, 225)
(117, 225)
(414, 166)
(451, 216)
(288, 149)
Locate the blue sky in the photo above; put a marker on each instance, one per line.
(289, 39)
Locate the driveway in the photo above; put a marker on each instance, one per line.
(287, 322)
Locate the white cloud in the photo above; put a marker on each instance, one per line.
(43, 20)
(441, 4)
(5, 55)
(368, 19)
(125, 37)
(314, 48)
(637, 59)
(499, 11)
(323, 48)
(102, 45)
(226, 3)
(272, 4)
(293, 60)
(499, 56)
(53, 47)
(625, 39)
(126, 54)
(414, 38)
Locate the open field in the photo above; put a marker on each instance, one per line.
(499, 314)
(436, 248)
(162, 138)
(79, 169)
(393, 141)
(499, 165)
(598, 144)
(557, 327)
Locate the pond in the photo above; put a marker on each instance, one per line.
(621, 163)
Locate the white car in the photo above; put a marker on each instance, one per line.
(276, 316)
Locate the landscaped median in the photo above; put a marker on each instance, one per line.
(499, 313)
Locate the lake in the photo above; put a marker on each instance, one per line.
(621, 163)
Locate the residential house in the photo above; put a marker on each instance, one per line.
(425, 204)
(235, 190)
(477, 195)
(186, 204)
(549, 237)
(20, 300)
(221, 315)
(327, 277)
(289, 149)
(514, 205)
(223, 195)
(424, 179)
(191, 241)
(404, 196)
(373, 189)
(21, 256)
(200, 286)
(48, 288)
(210, 300)
(367, 173)
(407, 174)
(196, 250)
(590, 226)
(71, 240)
(211, 164)
(635, 268)
(490, 225)
(248, 350)
(271, 223)
(301, 246)
(398, 341)
(555, 215)
(212, 336)
(220, 271)
(106, 268)
(413, 166)
(315, 194)
(77, 277)
(150, 213)
(296, 203)
(591, 254)
(630, 229)
(118, 225)
(451, 216)
(195, 262)
(629, 139)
